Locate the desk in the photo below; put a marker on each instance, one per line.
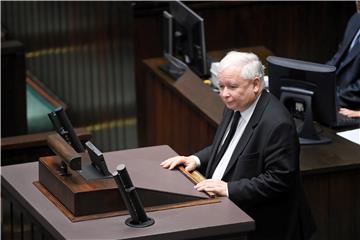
(221, 220)
(331, 173)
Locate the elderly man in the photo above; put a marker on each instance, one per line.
(254, 157)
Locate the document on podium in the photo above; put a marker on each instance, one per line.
(351, 135)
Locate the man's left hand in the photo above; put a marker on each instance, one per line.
(213, 185)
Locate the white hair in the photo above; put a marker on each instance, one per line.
(248, 64)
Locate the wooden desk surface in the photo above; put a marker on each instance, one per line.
(182, 223)
(339, 155)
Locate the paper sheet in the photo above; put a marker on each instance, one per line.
(351, 135)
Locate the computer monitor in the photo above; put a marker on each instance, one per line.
(308, 90)
(184, 41)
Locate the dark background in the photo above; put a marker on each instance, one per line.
(90, 53)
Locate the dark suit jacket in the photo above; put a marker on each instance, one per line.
(263, 173)
(348, 67)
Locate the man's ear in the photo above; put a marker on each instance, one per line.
(257, 85)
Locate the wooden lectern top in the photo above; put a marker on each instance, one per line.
(145, 170)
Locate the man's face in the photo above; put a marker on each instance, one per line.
(358, 6)
(237, 93)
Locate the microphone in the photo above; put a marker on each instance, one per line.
(129, 195)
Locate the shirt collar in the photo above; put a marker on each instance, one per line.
(246, 114)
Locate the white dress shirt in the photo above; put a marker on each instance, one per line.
(243, 121)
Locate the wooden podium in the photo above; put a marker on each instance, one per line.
(80, 199)
(219, 220)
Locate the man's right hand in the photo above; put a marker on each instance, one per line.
(349, 113)
(188, 162)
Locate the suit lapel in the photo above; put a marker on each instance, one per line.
(248, 132)
(227, 117)
(346, 45)
(354, 52)
(344, 49)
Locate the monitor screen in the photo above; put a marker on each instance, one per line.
(184, 40)
(308, 90)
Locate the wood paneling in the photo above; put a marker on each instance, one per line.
(334, 200)
(17, 223)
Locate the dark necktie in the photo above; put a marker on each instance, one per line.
(219, 155)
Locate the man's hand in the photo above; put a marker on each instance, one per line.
(349, 113)
(213, 185)
(188, 162)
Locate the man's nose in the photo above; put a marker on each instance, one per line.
(224, 92)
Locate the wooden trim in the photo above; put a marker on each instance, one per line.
(43, 91)
(195, 177)
(35, 139)
(73, 218)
